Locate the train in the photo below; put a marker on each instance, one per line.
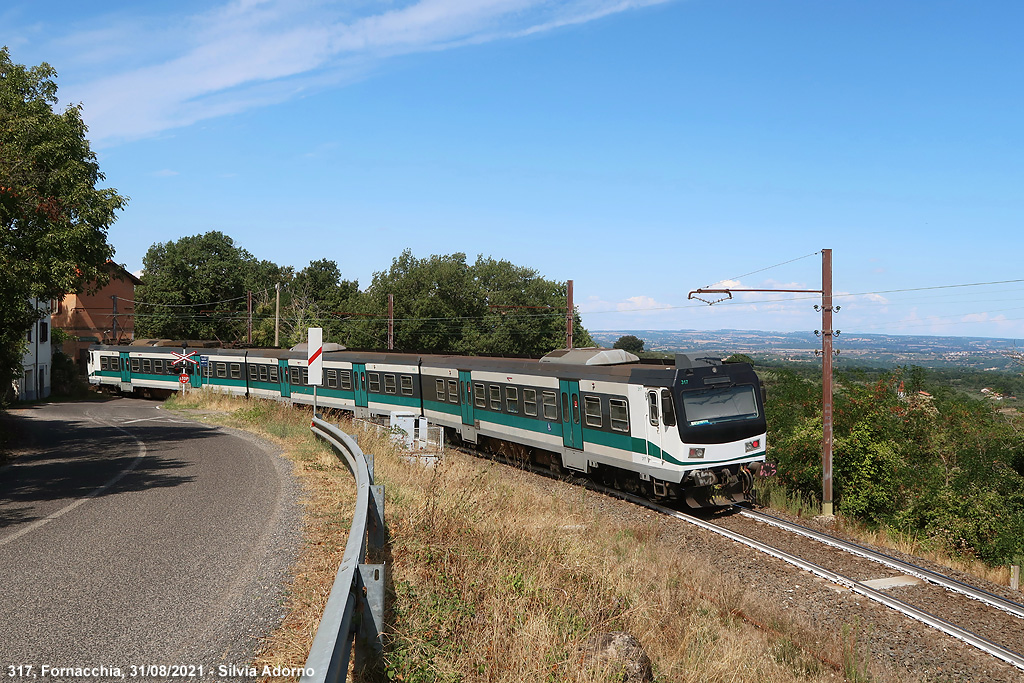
(692, 430)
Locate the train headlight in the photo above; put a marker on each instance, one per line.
(696, 452)
(752, 446)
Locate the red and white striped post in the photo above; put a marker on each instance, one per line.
(315, 360)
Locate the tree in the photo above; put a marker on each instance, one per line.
(54, 218)
(629, 342)
(445, 305)
(196, 288)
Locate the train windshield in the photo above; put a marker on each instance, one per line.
(716, 405)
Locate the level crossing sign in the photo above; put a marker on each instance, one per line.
(184, 358)
(315, 356)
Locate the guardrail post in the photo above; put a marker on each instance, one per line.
(375, 534)
(368, 457)
(369, 591)
(1015, 576)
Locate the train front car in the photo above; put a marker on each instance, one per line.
(722, 426)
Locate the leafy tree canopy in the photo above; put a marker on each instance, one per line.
(196, 288)
(54, 217)
(445, 305)
(630, 343)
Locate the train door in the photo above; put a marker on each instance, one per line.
(654, 423)
(282, 371)
(466, 397)
(359, 384)
(572, 428)
(126, 370)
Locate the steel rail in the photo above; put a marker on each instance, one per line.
(946, 582)
(983, 644)
(329, 655)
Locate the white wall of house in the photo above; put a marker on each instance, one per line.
(35, 383)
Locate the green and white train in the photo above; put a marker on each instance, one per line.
(692, 430)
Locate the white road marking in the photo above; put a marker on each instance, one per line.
(71, 506)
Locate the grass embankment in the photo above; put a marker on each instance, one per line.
(497, 576)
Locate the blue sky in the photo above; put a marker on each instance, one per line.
(642, 148)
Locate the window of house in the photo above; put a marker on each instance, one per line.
(512, 399)
(495, 396)
(592, 410)
(619, 414)
(479, 395)
(44, 332)
(550, 405)
(406, 385)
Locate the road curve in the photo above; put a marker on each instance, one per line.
(132, 537)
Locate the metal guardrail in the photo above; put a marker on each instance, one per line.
(355, 608)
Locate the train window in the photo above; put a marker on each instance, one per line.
(294, 375)
(495, 391)
(104, 363)
(147, 365)
(512, 399)
(576, 409)
(652, 407)
(565, 406)
(261, 373)
(441, 393)
(332, 378)
(389, 384)
(115, 364)
(222, 370)
(305, 377)
(592, 410)
(530, 402)
(374, 382)
(550, 406)
(236, 371)
(479, 395)
(618, 414)
(453, 391)
(254, 372)
(668, 410)
(346, 380)
(406, 385)
(135, 364)
(158, 366)
(273, 374)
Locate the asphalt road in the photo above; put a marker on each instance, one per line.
(133, 537)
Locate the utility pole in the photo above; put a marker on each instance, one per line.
(826, 382)
(391, 322)
(249, 335)
(826, 353)
(277, 315)
(568, 315)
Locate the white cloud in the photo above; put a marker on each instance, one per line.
(252, 53)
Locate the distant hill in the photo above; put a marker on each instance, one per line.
(856, 350)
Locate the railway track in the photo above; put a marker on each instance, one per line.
(991, 623)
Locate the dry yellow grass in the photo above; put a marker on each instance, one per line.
(499, 577)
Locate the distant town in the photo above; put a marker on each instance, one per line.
(855, 350)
